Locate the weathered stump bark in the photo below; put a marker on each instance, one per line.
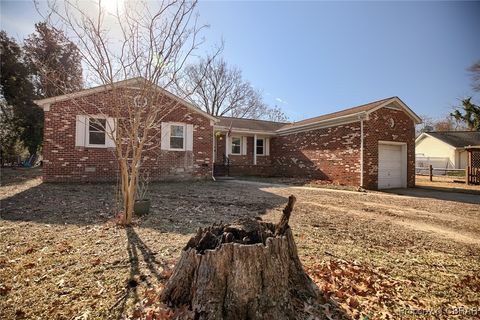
(248, 270)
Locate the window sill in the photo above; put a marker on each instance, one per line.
(93, 147)
(97, 146)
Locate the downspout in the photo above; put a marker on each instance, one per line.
(255, 150)
(361, 117)
(213, 155)
(226, 145)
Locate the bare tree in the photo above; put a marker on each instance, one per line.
(151, 41)
(447, 124)
(275, 113)
(425, 126)
(475, 71)
(221, 90)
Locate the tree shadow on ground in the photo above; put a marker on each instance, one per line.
(16, 175)
(138, 251)
(446, 195)
(177, 207)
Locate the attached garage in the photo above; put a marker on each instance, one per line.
(392, 165)
(371, 145)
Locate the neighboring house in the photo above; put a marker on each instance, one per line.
(370, 145)
(445, 149)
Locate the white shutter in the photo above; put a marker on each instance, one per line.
(189, 145)
(267, 146)
(228, 144)
(244, 145)
(165, 136)
(111, 132)
(80, 130)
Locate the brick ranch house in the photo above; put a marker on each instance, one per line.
(372, 145)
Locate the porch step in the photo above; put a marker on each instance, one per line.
(223, 178)
(220, 170)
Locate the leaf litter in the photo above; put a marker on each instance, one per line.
(67, 259)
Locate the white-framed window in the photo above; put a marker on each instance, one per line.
(96, 132)
(177, 136)
(236, 145)
(260, 147)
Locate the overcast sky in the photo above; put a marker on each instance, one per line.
(312, 58)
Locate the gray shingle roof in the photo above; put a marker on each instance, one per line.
(345, 112)
(262, 125)
(249, 124)
(458, 139)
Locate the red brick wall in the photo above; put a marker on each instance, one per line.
(326, 154)
(64, 162)
(378, 128)
(334, 153)
(241, 165)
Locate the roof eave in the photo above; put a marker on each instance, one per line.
(244, 130)
(188, 104)
(477, 147)
(409, 111)
(420, 137)
(324, 123)
(45, 103)
(425, 134)
(86, 92)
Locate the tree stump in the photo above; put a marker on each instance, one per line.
(246, 270)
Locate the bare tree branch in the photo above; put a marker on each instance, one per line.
(475, 71)
(152, 43)
(220, 90)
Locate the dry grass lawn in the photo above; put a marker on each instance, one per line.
(373, 254)
(447, 183)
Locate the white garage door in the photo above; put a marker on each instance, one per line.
(390, 171)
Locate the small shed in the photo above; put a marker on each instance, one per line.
(473, 165)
